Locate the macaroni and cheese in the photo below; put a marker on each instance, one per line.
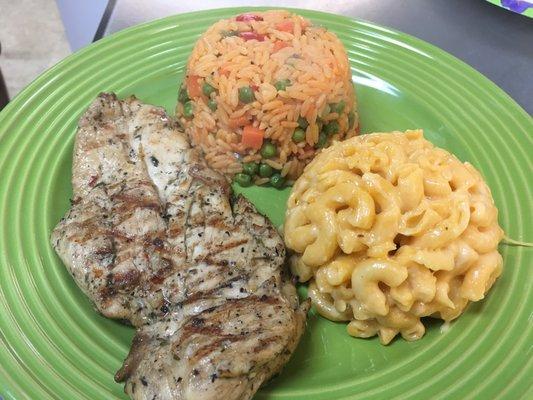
(388, 229)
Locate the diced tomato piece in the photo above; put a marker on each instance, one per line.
(279, 44)
(251, 35)
(285, 26)
(252, 137)
(193, 86)
(237, 122)
(358, 129)
(248, 17)
(255, 88)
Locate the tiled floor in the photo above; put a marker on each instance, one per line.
(32, 39)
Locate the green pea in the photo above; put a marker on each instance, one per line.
(250, 168)
(332, 128)
(338, 107)
(268, 150)
(212, 104)
(265, 171)
(322, 140)
(326, 110)
(277, 181)
(183, 96)
(188, 109)
(302, 123)
(246, 94)
(282, 85)
(351, 119)
(243, 180)
(298, 135)
(207, 89)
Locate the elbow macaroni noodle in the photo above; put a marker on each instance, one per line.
(389, 229)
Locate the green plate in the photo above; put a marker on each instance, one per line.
(54, 346)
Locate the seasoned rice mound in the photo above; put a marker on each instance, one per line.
(267, 87)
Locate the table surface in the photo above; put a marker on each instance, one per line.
(496, 42)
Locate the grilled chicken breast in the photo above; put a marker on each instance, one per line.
(154, 238)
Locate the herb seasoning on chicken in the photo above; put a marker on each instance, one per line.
(154, 238)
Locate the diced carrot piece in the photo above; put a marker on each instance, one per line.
(193, 86)
(285, 26)
(237, 122)
(279, 44)
(252, 137)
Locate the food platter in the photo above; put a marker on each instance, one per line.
(54, 345)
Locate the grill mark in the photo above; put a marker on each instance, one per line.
(126, 280)
(118, 282)
(214, 262)
(106, 256)
(200, 329)
(122, 282)
(106, 293)
(126, 203)
(86, 230)
(163, 272)
(120, 236)
(213, 252)
(263, 343)
(229, 245)
(218, 222)
(200, 295)
(215, 345)
(104, 252)
(174, 231)
(197, 326)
